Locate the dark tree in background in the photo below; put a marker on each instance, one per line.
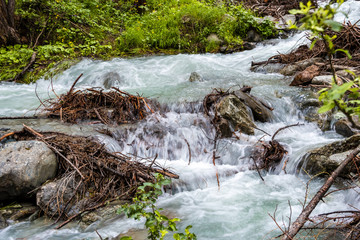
(8, 34)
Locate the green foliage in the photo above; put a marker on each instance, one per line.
(143, 206)
(67, 29)
(186, 24)
(13, 59)
(345, 97)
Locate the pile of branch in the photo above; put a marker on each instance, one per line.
(95, 104)
(93, 174)
(348, 39)
(267, 155)
(275, 8)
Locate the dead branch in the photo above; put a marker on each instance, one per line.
(189, 149)
(73, 85)
(283, 128)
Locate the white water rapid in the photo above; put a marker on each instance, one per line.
(239, 208)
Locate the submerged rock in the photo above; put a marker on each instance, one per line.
(195, 77)
(102, 214)
(235, 111)
(327, 158)
(112, 79)
(24, 166)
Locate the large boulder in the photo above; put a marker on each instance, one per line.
(260, 110)
(236, 112)
(24, 166)
(327, 158)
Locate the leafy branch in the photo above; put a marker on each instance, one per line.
(143, 206)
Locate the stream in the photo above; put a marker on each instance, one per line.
(240, 208)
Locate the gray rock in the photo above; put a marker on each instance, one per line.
(253, 36)
(308, 102)
(343, 127)
(291, 69)
(235, 111)
(24, 166)
(260, 112)
(327, 158)
(112, 79)
(248, 45)
(195, 77)
(322, 80)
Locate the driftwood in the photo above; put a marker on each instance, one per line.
(303, 217)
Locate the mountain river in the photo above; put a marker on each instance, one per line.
(240, 208)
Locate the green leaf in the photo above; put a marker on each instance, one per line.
(126, 238)
(326, 107)
(313, 43)
(344, 51)
(335, 26)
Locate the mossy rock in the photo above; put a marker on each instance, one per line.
(326, 159)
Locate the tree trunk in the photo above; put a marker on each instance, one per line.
(8, 34)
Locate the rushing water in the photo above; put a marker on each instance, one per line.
(239, 208)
